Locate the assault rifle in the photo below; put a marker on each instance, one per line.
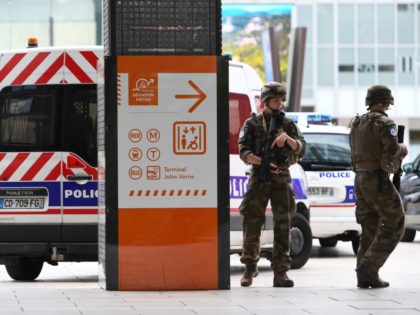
(396, 179)
(268, 154)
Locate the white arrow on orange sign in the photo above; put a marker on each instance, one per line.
(201, 96)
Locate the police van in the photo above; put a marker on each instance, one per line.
(244, 98)
(48, 159)
(327, 164)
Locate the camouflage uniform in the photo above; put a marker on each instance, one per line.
(277, 189)
(375, 153)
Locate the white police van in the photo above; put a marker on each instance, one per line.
(244, 92)
(327, 164)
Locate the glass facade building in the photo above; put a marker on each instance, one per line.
(352, 45)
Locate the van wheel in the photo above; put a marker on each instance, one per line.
(301, 241)
(355, 244)
(328, 242)
(24, 269)
(408, 236)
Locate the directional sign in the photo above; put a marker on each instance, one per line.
(200, 96)
(167, 135)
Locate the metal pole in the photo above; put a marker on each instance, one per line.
(275, 58)
(51, 24)
(295, 71)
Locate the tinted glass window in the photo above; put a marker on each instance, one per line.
(79, 125)
(406, 65)
(346, 23)
(49, 118)
(326, 152)
(325, 66)
(366, 67)
(406, 22)
(325, 24)
(386, 17)
(365, 25)
(346, 66)
(29, 118)
(305, 19)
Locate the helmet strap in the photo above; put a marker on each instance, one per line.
(274, 111)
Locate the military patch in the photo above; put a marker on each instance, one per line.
(241, 134)
(393, 132)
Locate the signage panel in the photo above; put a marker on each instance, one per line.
(167, 134)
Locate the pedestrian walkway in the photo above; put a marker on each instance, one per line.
(325, 285)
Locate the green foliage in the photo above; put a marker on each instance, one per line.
(245, 42)
(250, 55)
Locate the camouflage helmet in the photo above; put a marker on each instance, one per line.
(378, 94)
(272, 90)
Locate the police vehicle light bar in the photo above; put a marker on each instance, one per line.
(309, 118)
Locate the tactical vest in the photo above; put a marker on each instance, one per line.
(365, 142)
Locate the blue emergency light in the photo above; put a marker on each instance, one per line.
(309, 118)
(295, 118)
(318, 118)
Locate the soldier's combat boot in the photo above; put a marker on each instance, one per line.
(282, 280)
(251, 271)
(369, 278)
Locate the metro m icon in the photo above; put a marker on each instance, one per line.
(153, 135)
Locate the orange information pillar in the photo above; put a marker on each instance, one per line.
(166, 213)
(163, 147)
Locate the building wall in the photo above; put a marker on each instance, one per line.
(355, 44)
(352, 45)
(53, 22)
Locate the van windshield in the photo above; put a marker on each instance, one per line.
(326, 152)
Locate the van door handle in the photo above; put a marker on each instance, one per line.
(79, 177)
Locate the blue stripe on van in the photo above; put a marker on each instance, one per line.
(299, 189)
(239, 186)
(80, 195)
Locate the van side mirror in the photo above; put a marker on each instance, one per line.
(408, 168)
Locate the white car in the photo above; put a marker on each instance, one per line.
(328, 169)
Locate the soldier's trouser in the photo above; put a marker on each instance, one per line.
(253, 209)
(380, 212)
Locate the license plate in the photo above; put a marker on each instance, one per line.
(22, 203)
(321, 191)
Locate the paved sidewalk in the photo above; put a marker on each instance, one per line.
(325, 285)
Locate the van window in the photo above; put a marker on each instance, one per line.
(28, 118)
(79, 121)
(326, 152)
(239, 111)
(49, 118)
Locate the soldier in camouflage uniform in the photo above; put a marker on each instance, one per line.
(376, 153)
(277, 188)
